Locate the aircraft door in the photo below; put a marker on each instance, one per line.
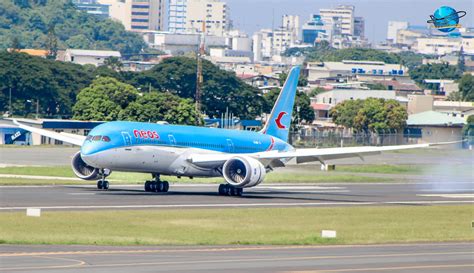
(172, 139)
(230, 146)
(127, 139)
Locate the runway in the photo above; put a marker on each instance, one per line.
(205, 196)
(431, 257)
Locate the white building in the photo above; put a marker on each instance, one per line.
(137, 15)
(180, 43)
(263, 44)
(194, 16)
(292, 24)
(237, 40)
(363, 70)
(342, 19)
(94, 57)
(393, 28)
(444, 45)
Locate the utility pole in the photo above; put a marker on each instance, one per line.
(199, 78)
(37, 107)
(10, 103)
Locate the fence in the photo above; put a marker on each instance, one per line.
(328, 139)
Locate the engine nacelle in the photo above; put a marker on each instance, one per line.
(82, 170)
(243, 172)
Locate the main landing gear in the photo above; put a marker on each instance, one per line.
(103, 184)
(229, 190)
(157, 185)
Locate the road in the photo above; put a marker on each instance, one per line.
(433, 257)
(205, 196)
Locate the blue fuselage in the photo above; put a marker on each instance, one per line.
(119, 134)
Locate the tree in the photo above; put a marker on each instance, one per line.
(105, 99)
(316, 91)
(302, 80)
(370, 115)
(466, 87)
(159, 106)
(113, 63)
(55, 84)
(15, 46)
(376, 86)
(434, 71)
(73, 28)
(221, 89)
(461, 60)
(302, 103)
(52, 43)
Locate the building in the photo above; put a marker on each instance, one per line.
(177, 16)
(359, 27)
(432, 127)
(137, 15)
(401, 88)
(180, 43)
(341, 18)
(361, 70)
(393, 28)
(93, 7)
(291, 23)
(323, 102)
(194, 16)
(315, 29)
(58, 125)
(11, 134)
(444, 45)
(282, 40)
(94, 57)
(263, 45)
(32, 52)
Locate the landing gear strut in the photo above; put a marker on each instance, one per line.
(102, 184)
(229, 190)
(157, 185)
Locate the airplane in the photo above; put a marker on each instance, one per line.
(242, 158)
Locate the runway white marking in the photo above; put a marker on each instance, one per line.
(244, 205)
(82, 193)
(449, 195)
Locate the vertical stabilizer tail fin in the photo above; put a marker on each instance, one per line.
(279, 122)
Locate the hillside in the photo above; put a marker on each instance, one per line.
(26, 24)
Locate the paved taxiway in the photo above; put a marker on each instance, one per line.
(205, 196)
(435, 257)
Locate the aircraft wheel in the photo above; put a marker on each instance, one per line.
(100, 185)
(166, 186)
(105, 185)
(160, 187)
(148, 186)
(222, 189)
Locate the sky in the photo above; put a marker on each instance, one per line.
(252, 15)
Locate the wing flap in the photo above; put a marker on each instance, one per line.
(276, 158)
(76, 140)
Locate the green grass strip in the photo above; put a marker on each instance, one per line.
(278, 226)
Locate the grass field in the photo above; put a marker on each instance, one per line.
(282, 226)
(282, 176)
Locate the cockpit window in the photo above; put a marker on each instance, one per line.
(106, 139)
(89, 137)
(96, 138)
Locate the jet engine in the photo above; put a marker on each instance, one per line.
(243, 172)
(82, 170)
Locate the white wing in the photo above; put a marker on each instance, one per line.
(69, 138)
(273, 158)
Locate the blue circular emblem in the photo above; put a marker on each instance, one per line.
(446, 19)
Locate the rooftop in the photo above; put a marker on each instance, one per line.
(95, 53)
(434, 119)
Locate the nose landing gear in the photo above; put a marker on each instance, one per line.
(157, 185)
(103, 184)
